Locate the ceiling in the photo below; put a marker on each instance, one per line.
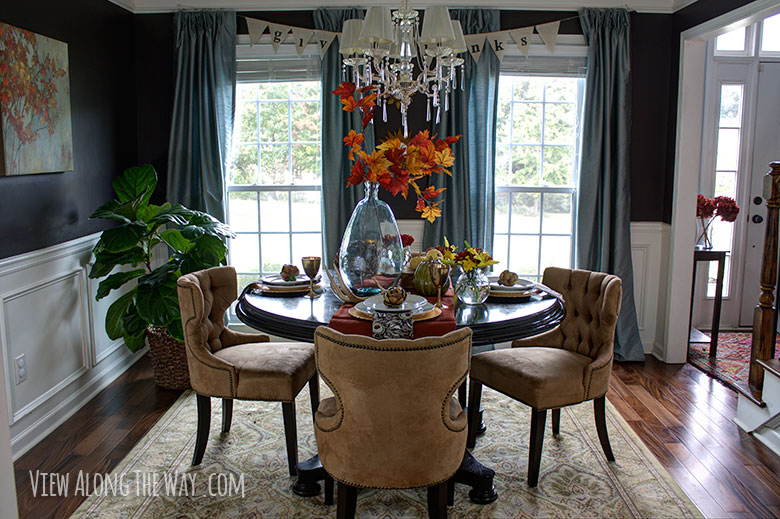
(162, 6)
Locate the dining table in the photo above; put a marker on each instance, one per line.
(495, 321)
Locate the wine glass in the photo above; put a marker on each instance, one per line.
(311, 265)
(439, 272)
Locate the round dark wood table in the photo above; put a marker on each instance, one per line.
(492, 322)
(495, 321)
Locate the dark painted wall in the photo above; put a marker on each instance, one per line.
(37, 211)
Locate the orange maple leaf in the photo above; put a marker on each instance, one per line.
(345, 89)
(432, 192)
(349, 104)
(431, 212)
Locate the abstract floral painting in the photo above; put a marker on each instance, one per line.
(34, 104)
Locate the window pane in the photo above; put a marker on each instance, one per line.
(556, 252)
(309, 90)
(712, 277)
(269, 91)
(243, 211)
(558, 166)
(770, 34)
(306, 211)
(728, 149)
(274, 212)
(524, 255)
(503, 121)
(306, 245)
(557, 218)
(501, 218)
(244, 280)
(305, 122)
(731, 105)
(249, 122)
(726, 184)
(527, 123)
(273, 122)
(526, 163)
(246, 92)
(274, 164)
(525, 212)
(502, 165)
(528, 88)
(500, 251)
(244, 253)
(505, 89)
(731, 41)
(276, 252)
(306, 164)
(244, 170)
(561, 89)
(559, 124)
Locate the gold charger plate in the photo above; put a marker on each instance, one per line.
(513, 294)
(430, 314)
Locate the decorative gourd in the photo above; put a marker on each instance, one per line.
(423, 283)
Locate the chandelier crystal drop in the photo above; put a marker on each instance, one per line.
(388, 52)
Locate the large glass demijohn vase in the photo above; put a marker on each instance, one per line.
(371, 252)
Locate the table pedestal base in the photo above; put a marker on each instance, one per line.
(471, 473)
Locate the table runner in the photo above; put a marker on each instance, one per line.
(441, 325)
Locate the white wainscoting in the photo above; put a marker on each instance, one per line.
(49, 314)
(650, 257)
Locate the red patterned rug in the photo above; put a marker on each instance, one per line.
(731, 364)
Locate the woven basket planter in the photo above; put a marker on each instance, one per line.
(169, 359)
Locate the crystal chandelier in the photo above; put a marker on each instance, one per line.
(388, 52)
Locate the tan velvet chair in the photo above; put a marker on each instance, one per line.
(393, 421)
(227, 364)
(565, 366)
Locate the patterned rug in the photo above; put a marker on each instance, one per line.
(731, 365)
(575, 481)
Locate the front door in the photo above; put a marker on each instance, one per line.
(765, 150)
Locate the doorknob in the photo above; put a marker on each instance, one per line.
(757, 218)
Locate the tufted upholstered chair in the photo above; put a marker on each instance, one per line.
(567, 365)
(393, 421)
(227, 364)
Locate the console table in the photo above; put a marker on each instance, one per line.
(696, 336)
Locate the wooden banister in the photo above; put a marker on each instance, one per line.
(763, 346)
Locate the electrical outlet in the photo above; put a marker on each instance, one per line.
(21, 369)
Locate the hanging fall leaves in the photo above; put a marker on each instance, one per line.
(397, 162)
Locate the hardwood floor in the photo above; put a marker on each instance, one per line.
(683, 416)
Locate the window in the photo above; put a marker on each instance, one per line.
(537, 172)
(274, 184)
(770, 36)
(727, 161)
(732, 42)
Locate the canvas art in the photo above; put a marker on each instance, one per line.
(34, 104)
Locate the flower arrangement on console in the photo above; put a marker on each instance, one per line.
(707, 209)
(397, 162)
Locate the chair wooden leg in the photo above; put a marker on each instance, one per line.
(314, 392)
(347, 501)
(451, 491)
(599, 410)
(227, 414)
(538, 419)
(290, 435)
(475, 395)
(556, 421)
(204, 423)
(437, 501)
(328, 489)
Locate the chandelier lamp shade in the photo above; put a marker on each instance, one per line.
(388, 53)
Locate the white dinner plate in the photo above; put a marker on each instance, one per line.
(520, 286)
(414, 303)
(277, 281)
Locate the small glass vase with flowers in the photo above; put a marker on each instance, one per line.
(707, 209)
(472, 286)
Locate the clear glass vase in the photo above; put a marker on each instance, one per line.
(371, 253)
(704, 240)
(472, 287)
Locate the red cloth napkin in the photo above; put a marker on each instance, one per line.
(441, 325)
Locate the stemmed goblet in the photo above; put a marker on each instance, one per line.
(311, 265)
(439, 272)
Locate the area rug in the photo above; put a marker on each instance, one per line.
(576, 480)
(731, 364)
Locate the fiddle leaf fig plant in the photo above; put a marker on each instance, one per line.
(195, 241)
